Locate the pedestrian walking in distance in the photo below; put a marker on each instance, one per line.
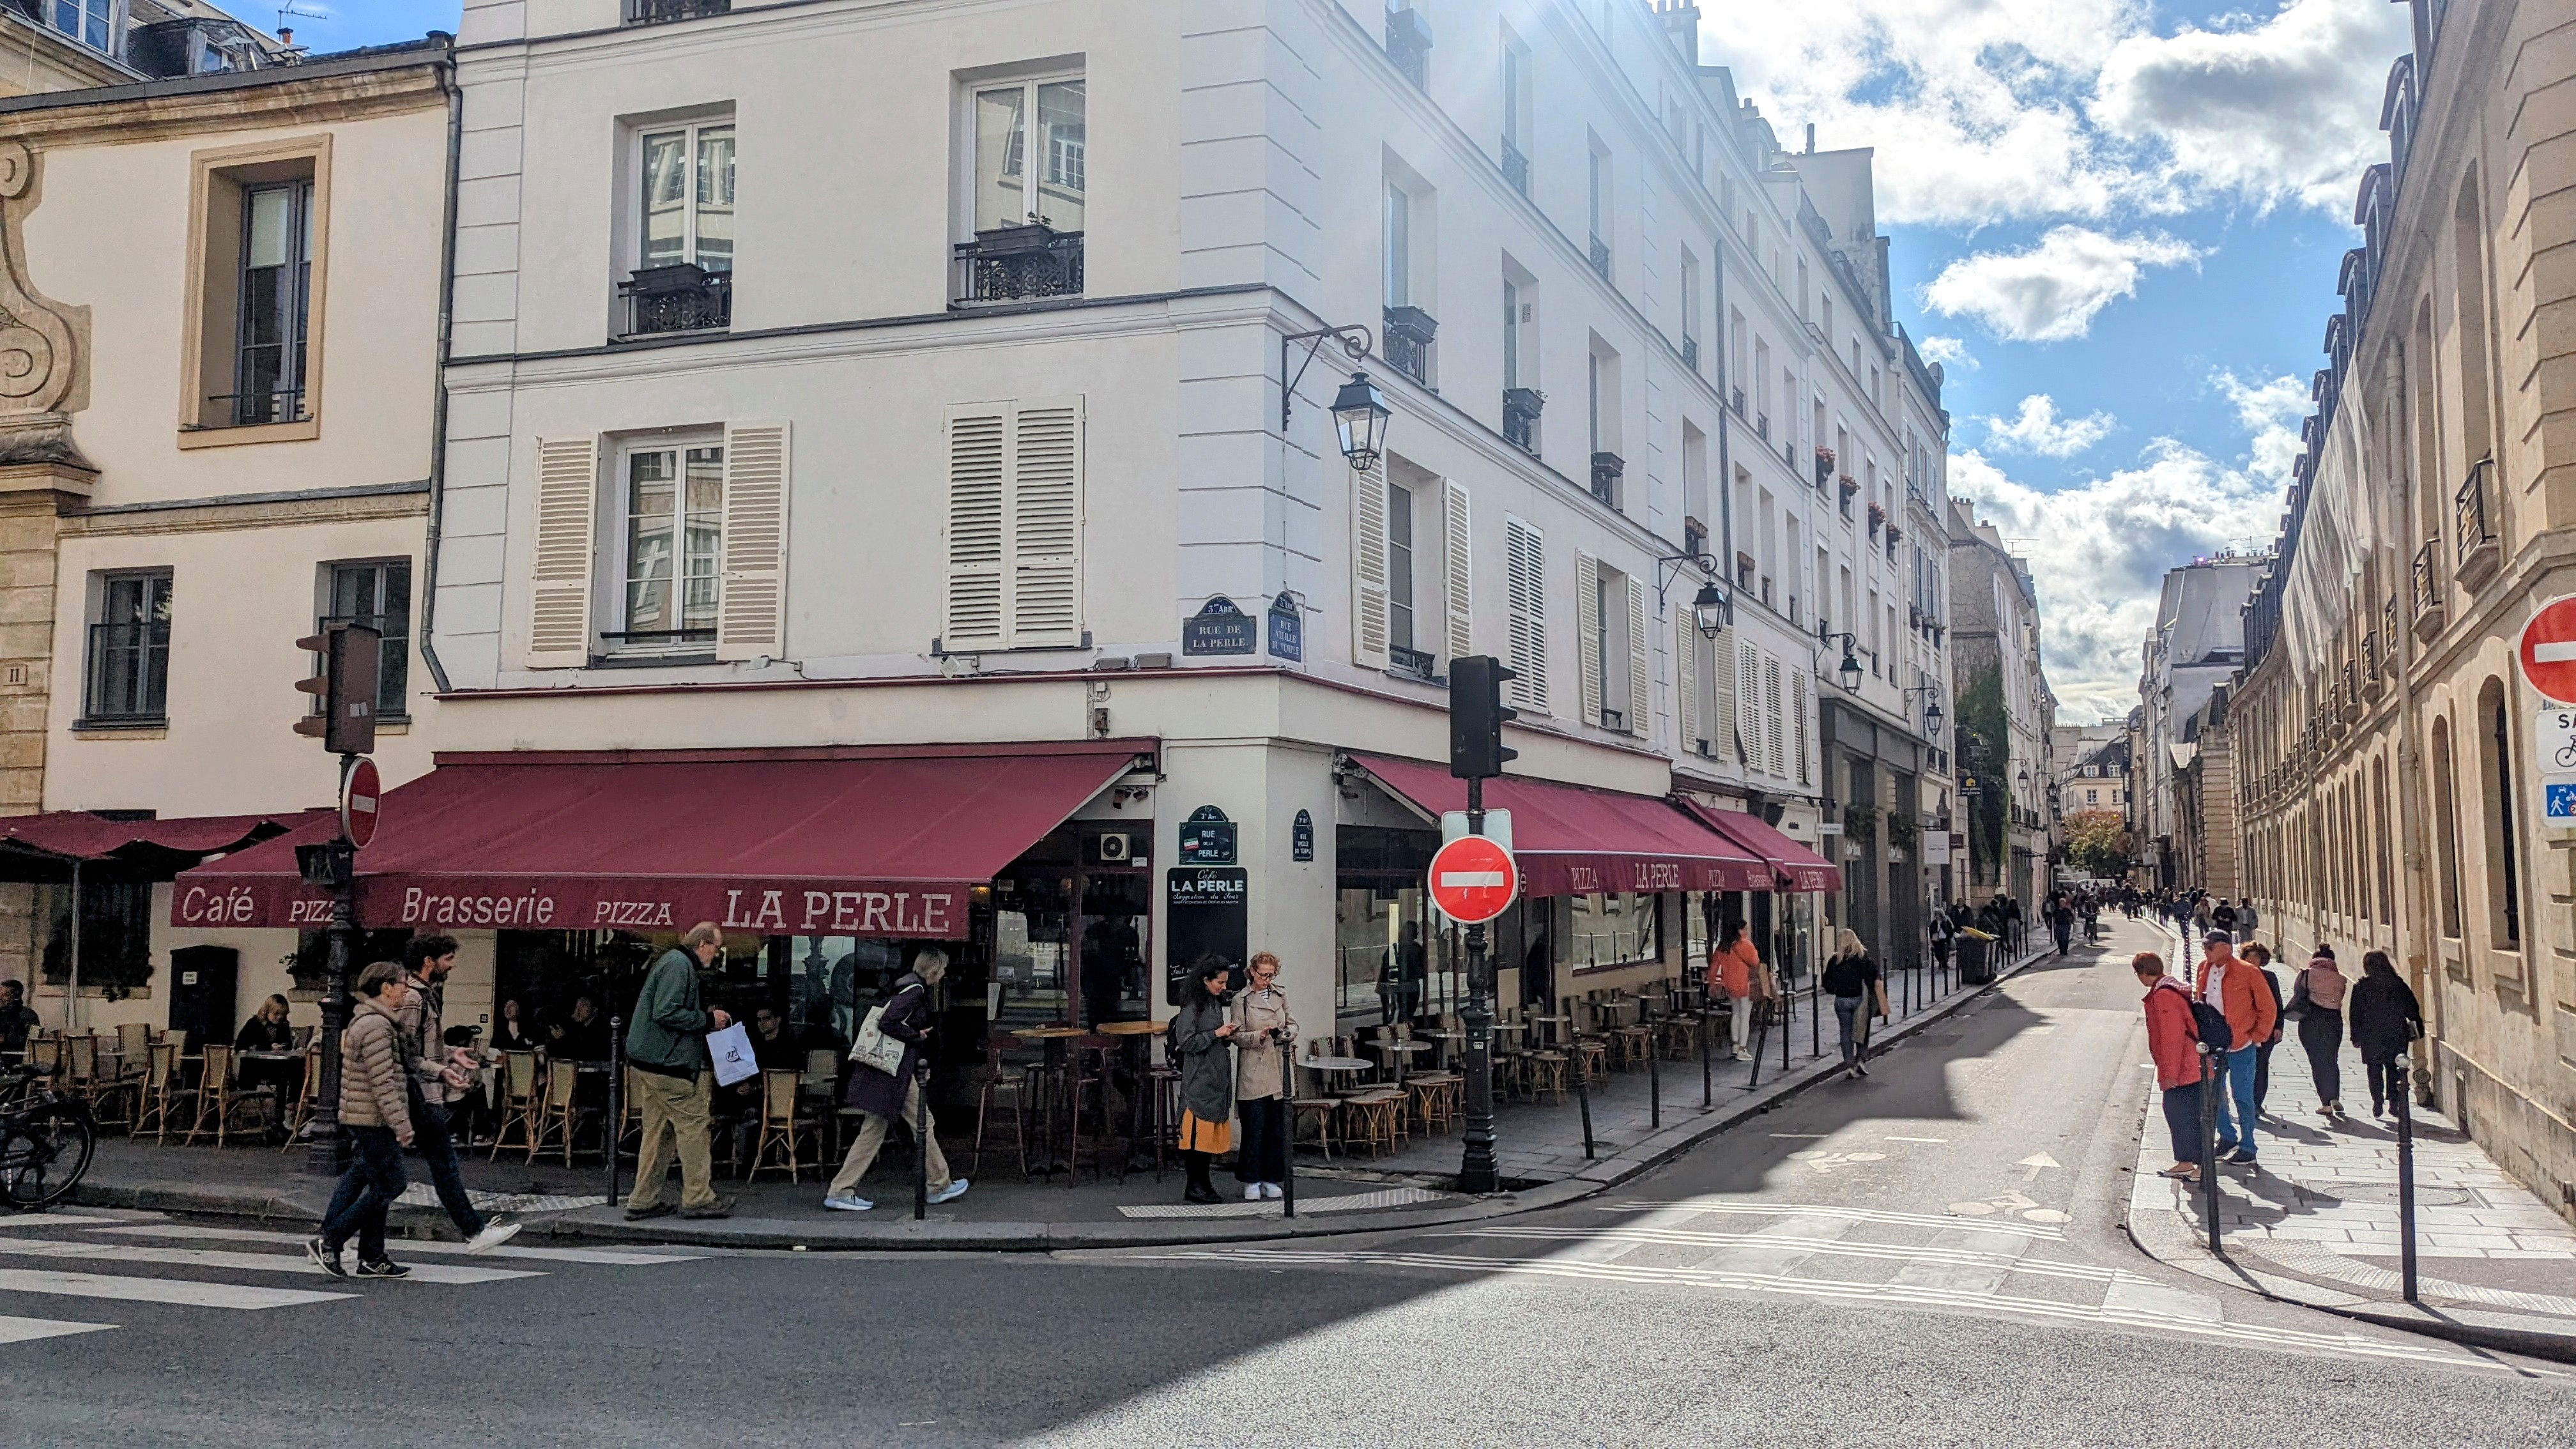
(2222, 917)
(1264, 1035)
(1942, 934)
(1736, 969)
(1850, 978)
(2316, 1002)
(1203, 1041)
(882, 1100)
(2176, 1051)
(2260, 958)
(674, 1083)
(2386, 1018)
(375, 1107)
(2228, 984)
(440, 1075)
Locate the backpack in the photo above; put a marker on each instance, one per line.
(2209, 1027)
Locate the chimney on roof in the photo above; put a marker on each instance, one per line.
(1681, 19)
(1811, 138)
(286, 36)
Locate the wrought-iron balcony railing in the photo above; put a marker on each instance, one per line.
(1601, 258)
(1521, 407)
(2427, 578)
(264, 405)
(681, 297)
(1409, 334)
(1415, 663)
(1408, 44)
(2473, 517)
(1021, 263)
(661, 12)
(1690, 354)
(1607, 469)
(1515, 167)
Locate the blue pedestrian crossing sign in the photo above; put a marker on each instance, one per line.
(2558, 802)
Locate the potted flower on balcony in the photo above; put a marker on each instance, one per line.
(1877, 517)
(1824, 465)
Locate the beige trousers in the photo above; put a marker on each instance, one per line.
(872, 1135)
(675, 1115)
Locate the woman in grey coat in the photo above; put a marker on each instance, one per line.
(1203, 1042)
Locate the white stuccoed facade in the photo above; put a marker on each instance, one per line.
(1236, 161)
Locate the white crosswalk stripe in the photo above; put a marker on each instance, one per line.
(112, 1242)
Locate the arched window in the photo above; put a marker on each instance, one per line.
(2383, 845)
(2446, 831)
(2503, 844)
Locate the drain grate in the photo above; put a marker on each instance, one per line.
(2386, 1193)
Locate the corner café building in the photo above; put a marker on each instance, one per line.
(1068, 879)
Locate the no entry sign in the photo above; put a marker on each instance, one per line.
(360, 791)
(2548, 650)
(1474, 879)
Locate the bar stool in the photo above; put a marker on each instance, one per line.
(1004, 1088)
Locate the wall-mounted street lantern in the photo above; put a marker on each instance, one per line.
(1359, 409)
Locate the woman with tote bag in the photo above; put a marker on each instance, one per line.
(883, 1095)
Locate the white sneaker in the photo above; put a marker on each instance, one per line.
(1744, 1056)
(495, 1232)
(951, 1192)
(1272, 1191)
(852, 1204)
(1252, 1192)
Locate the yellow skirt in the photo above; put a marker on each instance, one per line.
(1200, 1135)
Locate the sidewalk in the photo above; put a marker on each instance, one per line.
(2317, 1224)
(1541, 1151)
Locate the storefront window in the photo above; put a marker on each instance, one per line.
(1611, 930)
(1032, 939)
(1387, 946)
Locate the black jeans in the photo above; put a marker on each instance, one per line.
(2182, 1119)
(431, 1134)
(2382, 1072)
(374, 1179)
(2263, 1073)
(2321, 1037)
(1262, 1155)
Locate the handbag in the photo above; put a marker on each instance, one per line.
(2296, 1008)
(874, 1049)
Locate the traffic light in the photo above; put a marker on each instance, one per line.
(1476, 716)
(347, 686)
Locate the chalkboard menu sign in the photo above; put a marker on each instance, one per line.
(1209, 913)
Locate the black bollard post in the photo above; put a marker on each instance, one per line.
(616, 1100)
(2400, 1096)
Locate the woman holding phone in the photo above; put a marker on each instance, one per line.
(1263, 1036)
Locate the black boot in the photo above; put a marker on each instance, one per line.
(1200, 1189)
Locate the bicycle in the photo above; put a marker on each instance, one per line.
(46, 1140)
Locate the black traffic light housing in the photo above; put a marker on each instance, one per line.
(1476, 716)
(347, 685)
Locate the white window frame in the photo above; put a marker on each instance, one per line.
(972, 89)
(616, 547)
(693, 127)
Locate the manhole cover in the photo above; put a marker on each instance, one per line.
(2386, 1192)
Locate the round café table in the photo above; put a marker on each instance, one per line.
(1052, 1090)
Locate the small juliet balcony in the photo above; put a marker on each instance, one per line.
(2475, 517)
(1690, 356)
(1521, 407)
(1600, 256)
(1607, 470)
(1515, 167)
(1029, 262)
(663, 12)
(1409, 334)
(680, 297)
(1408, 45)
(2427, 580)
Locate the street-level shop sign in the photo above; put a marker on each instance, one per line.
(1220, 628)
(1207, 838)
(2548, 650)
(1473, 878)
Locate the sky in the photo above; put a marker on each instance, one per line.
(2116, 223)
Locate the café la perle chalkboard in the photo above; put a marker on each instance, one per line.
(1208, 913)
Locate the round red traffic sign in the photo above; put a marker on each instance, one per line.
(2548, 650)
(360, 790)
(1474, 879)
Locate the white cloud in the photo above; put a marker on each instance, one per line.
(1950, 352)
(2271, 412)
(2099, 550)
(2038, 429)
(2052, 291)
(2287, 109)
(1983, 111)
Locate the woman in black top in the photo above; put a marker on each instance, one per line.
(2385, 1018)
(266, 1031)
(510, 1033)
(1850, 978)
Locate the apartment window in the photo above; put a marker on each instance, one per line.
(670, 532)
(1516, 113)
(91, 22)
(1690, 312)
(275, 290)
(378, 595)
(2503, 842)
(1399, 247)
(129, 649)
(1026, 215)
(1399, 566)
(252, 339)
(1511, 334)
(683, 279)
(1597, 199)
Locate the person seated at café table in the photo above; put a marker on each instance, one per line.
(266, 1031)
(17, 1021)
(513, 1032)
(584, 1038)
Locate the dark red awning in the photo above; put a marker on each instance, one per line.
(1799, 868)
(54, 840)
(1571, 840)
(882, 842)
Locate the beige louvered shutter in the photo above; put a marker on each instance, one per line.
(559, 596)
(751, 610)
(1045, 583)
(1805, 722)
(1641, 664)
(1721, 691)
(1686, 720)
(1771, 715)
(978, 499)
(1526, 595)
(1458, 573)
(1748, 705)
(1368, 568)
(1587, 635)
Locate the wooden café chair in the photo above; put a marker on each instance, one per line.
(160, 1092)
(519, 1103)
(218, 1100)
(306, 1094)
(558, 1115)
(787, 1124)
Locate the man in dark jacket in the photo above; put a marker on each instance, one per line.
(438, 1074)
(673, 1084)
(881, 1098)
(2386, 1018)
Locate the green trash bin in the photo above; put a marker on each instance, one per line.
(1976, 960)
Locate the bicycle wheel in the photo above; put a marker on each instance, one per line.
(43, 1155)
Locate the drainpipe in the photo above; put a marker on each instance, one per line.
(71, 999)
(438, 381)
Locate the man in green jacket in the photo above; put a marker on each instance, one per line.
(667, 1047)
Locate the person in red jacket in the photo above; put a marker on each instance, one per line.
(2177, 1057)
(2229, 984)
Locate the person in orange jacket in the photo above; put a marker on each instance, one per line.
(2177, 1057)
(1736, 970)
(2229, 984)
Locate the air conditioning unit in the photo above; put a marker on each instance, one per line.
(1116, 848)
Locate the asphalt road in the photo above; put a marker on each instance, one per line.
(1929, 1256)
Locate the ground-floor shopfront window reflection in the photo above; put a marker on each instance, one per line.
(1611, 929)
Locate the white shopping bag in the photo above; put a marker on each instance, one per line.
(730, 1049)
